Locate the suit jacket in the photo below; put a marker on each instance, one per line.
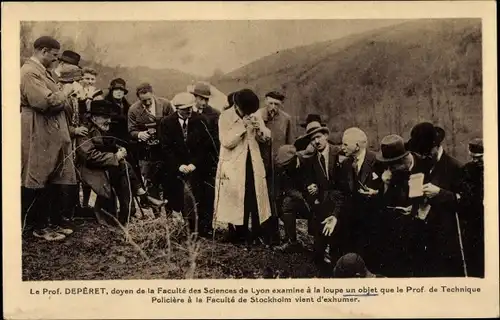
(211, 117)
(329, 189)
(138, 116)
(176, 151)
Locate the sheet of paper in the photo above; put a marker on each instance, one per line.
(416, 184)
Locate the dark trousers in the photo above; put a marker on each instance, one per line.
(291, 207)
(151, 171)
(41, 207)
(125, 185)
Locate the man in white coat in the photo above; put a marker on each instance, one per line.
(241, 187)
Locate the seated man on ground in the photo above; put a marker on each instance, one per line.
(102, 165)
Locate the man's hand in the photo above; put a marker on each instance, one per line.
(184, 169)
(254, 122)
(121, 154)
(330, 224)
(56, 98)
(143, 136)
(191, 168)
(81, 131)
(312, 189)
(369, 192)
(430, 190)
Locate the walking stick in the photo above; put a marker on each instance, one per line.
(464, 264)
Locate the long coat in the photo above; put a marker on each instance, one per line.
(45, 138)
(236, 142)
(94, 155)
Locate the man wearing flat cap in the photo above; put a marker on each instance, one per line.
(241, 191)
(472, 209)
(324, 193)
(184, 143)
(440, 195)
(102, 166)
(46, 162)
(202, 93)
(144, 118)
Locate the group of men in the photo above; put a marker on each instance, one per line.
(411, 210)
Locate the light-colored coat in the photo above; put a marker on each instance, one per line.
(45, 138)
(236, 142)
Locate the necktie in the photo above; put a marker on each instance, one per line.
(184, 128)
(355, 168)
(323, 164)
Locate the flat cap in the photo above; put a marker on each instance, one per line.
(46, 42)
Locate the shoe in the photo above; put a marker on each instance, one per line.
(62, 230)
(48, 234)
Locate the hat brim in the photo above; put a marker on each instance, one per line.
(381, 158)
(199, 95)
(119, 88)
(304, 124)
(184, 106)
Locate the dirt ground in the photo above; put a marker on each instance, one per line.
(157, 251)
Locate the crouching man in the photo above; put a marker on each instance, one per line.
(102, 166)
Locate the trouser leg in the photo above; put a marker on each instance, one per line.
(34, 208)
(86, 190)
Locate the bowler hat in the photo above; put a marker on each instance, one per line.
(476, 146)
(183, 100)
(425, 136)
(101, 108)
(310, 118)
(202, 89)
(70, 57)
(351, 265)
(70, 73)
(392, 149)
(247, 101)
(118, 84)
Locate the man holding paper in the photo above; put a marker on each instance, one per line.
(440, 198)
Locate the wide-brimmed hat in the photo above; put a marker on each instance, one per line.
(101, 108)
(285, 155)
(392, 148)
(310, 118)
(70, 73)
(425, 136)
(118, 84)
(202, 89)
(70, 57)
(311, 129)
(247, 101)
(183, 100)
(351, 265)
(476, 146)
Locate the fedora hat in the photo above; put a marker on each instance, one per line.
(202, 89)
(183, 100)
(312, 128)
(425, 136)
(310, 118)
(285, 155)
(70, 57)
(392, 148)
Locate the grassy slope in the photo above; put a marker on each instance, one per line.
(384, 81)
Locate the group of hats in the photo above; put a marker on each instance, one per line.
(185, 100)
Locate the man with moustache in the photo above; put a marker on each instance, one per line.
(102, 166)
(443, 256)
(324, 195)
(46, 161)
(361, 183)
(144, 117)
